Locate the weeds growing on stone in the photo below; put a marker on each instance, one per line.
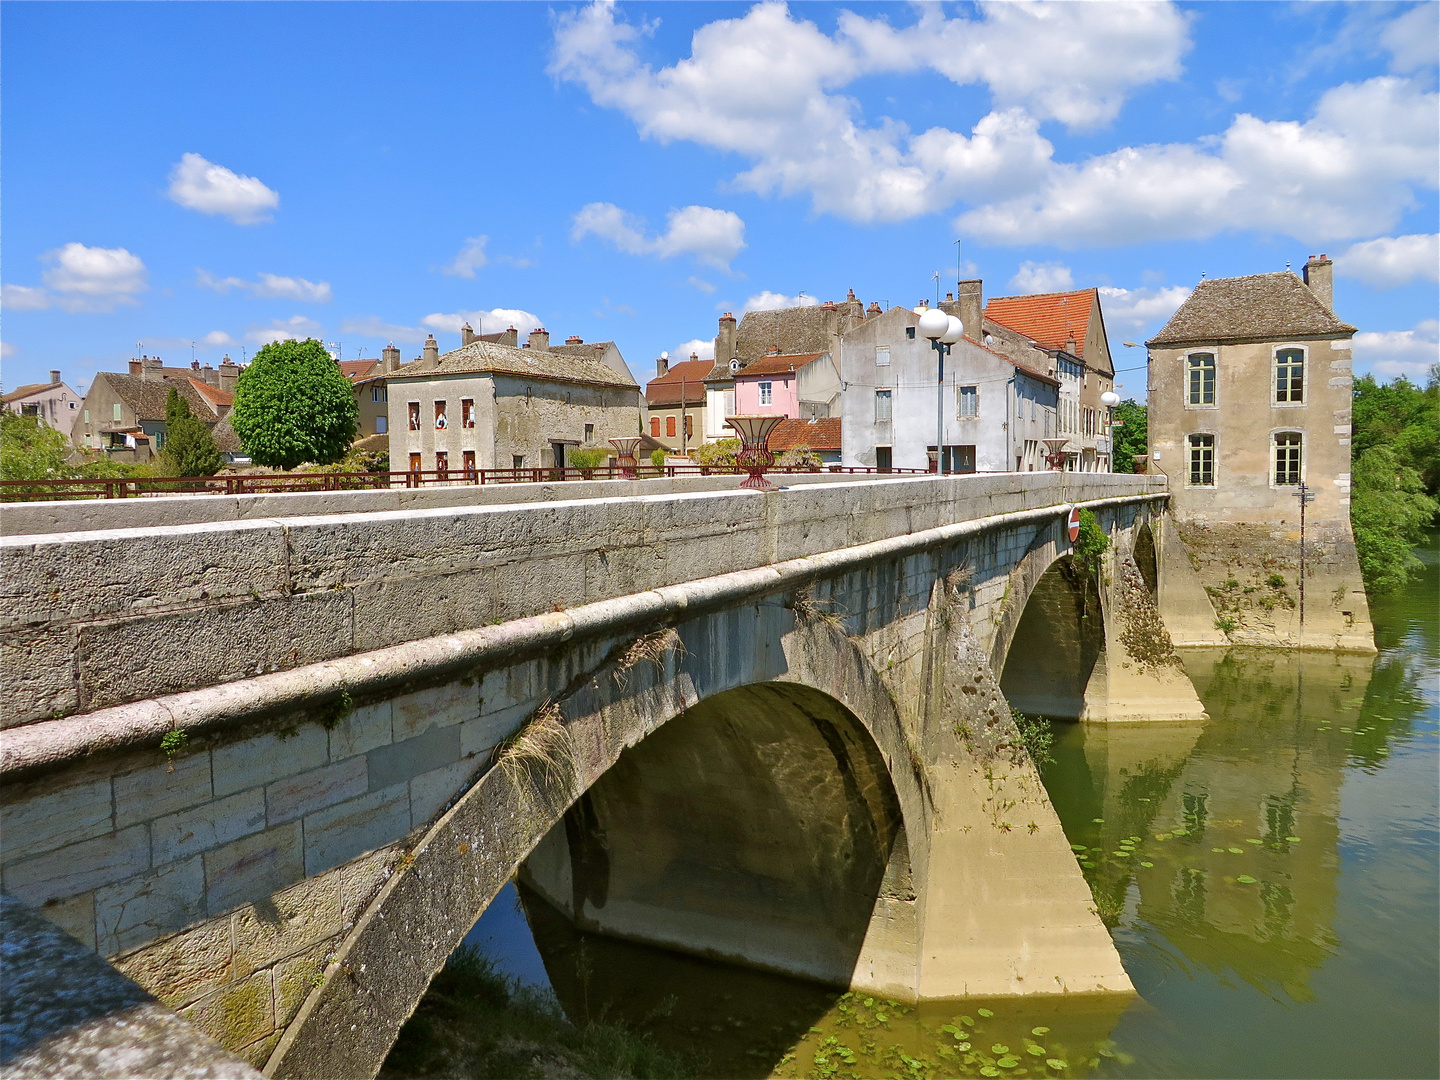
(1036, 736)
(651, 648)
(539, 754)
(811, 610)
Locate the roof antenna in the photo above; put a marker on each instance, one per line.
(1287, 264)
(1202, 275)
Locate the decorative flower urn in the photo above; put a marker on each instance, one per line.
(754, 455)
(1055, 452)
(626, 449)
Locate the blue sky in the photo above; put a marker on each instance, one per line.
(224, 174)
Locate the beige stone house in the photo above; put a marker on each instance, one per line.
(486, 405)
(1250, 397)
(675, 403)
(123, 414)
(53, 403)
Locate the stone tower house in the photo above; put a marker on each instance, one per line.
(1250, 395)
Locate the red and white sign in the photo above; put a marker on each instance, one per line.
(1074, 523)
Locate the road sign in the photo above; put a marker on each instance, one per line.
(1074, 523)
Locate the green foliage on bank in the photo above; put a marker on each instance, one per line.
(1131, 437)
(292, 405)
(1091, 543)
(189, 448)
(1395, 476)
(476, 1022)
(29, 450)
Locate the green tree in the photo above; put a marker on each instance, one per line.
(292, 405)
(1403, 417)
(31, 451)
(189, 448)
(1389, 512)
(1131, 436)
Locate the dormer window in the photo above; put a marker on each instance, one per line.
(1202, 378)
(1289, 376)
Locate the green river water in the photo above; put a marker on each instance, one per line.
(1269, 877)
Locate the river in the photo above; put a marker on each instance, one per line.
(1269, 878)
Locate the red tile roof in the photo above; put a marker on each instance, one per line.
(822, 434)
(666, 389)
(221, 399)
(778, 365)
(356, 369)
(1050, 319)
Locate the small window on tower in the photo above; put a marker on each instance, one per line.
(1202, 378)
(1289, 376)
(1202, 460)
(1287, 457)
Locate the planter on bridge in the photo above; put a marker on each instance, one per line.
(755, 455)
(629, 467)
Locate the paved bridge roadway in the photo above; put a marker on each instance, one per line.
(272, 756)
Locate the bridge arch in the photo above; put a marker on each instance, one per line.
(1057, 643)
(802, 682)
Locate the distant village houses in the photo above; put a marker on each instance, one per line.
(123, 414)
(52, 403)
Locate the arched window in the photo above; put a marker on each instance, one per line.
(1289, 376)
(1202, 459)
(1287, 457)
(1202, 378)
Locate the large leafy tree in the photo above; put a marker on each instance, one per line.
(1389, 512)
(1131, 436)
(1403, 417)
(31, 451)
(190, 448)
(292, 405)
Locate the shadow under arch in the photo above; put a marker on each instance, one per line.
(756, 827)
(1057, 643)
(1145, 558)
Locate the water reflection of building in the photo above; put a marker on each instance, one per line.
(1255, 793)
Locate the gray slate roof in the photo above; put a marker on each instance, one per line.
(148, 399)
(1260, 307)
(794, 330)
(484, 356)
(588, 348)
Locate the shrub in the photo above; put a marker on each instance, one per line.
(587, 458)
(1091, 543)
(721, 452)
(657, 458)
(292, 405)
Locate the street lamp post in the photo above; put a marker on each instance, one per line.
(943, 331)
(1110, 399)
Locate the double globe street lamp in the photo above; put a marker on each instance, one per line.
(943, 331)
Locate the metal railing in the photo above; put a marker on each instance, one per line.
(269, 483)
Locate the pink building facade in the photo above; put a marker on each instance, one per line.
(800, 387)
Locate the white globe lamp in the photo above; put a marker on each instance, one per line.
(1109, 399)
(933, 324)
(954, 331)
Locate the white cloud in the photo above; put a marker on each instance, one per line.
(7, 350)
(24, 298)
(1389, 261)
(375, 327)
(197, 184)
(470, 258)
(296, 327)
(1133, 313)
(712, 236)
(1046, 277)
(81, 278)
(704, 349)
(765, 301)
(1411, 37)
(1398, 352)
(701, 284)
(216, 339)
(493, 321)
(268, 287)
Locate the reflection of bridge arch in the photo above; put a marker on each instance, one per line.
(781, 715)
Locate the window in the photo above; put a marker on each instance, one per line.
(72, 404)
(440, 421)
(517, 461)
(382, 425)
(909, 336)
(589, 434)
(87, 416)
(1202, 460)
(442, 464)
(378, 392)
(117, 412)
(654, 426)
(729, 402)
(1287, 457)
(30, 408)
(468, 458)
(969, 400)
(414, 408)
(766, 396)
(467, 412)
(415, 465)
(1289, 376)
(882, 405)
(882, 355)
(670, 426)
(689, 426)
(1202, 378)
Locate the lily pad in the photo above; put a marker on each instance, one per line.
(950, 1029)
(1218, 850)
(1122, 853)
(1180, 832)
(1039, 1031)
(882, 1018)
(1057, 1064)
(1088, 865)
(1098, 820)
(963, 1046)
(1237, 851)
(1245, 879)
(984, 1012)
(1007, 1062)
(1078, 847)
(989, 1070)
(1253, 840)
(1144, 863)
(968, 1021)
(1000, 1049)
(1036, 1051)
(1292, 839)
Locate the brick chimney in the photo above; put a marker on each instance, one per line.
(54, 376)
(510, 337)
(539, 339)
(228, 375)
(662, 366)
(467, 335)
(852, 314)
(972, 306)
(390, 357)
(574, 339)
(873, 309)
(431, 352)
(152, 369)
(725, 340)
(1320, 276)
(136, 368)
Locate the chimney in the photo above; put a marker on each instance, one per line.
(725, 339)
(152, 369)
(210, 376)
(574, 339)
(229, 374)
(54, 376)
(972, 306)
(539, 339)
(662, 366)
(1320, 276)
(510, 337)
(853, 313)
(694, 356)
(135, 368)
(467, 335)
(1070, 341)
(431, 353)
(390, 357)
(873, 309)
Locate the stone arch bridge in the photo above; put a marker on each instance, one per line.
(273, 765)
